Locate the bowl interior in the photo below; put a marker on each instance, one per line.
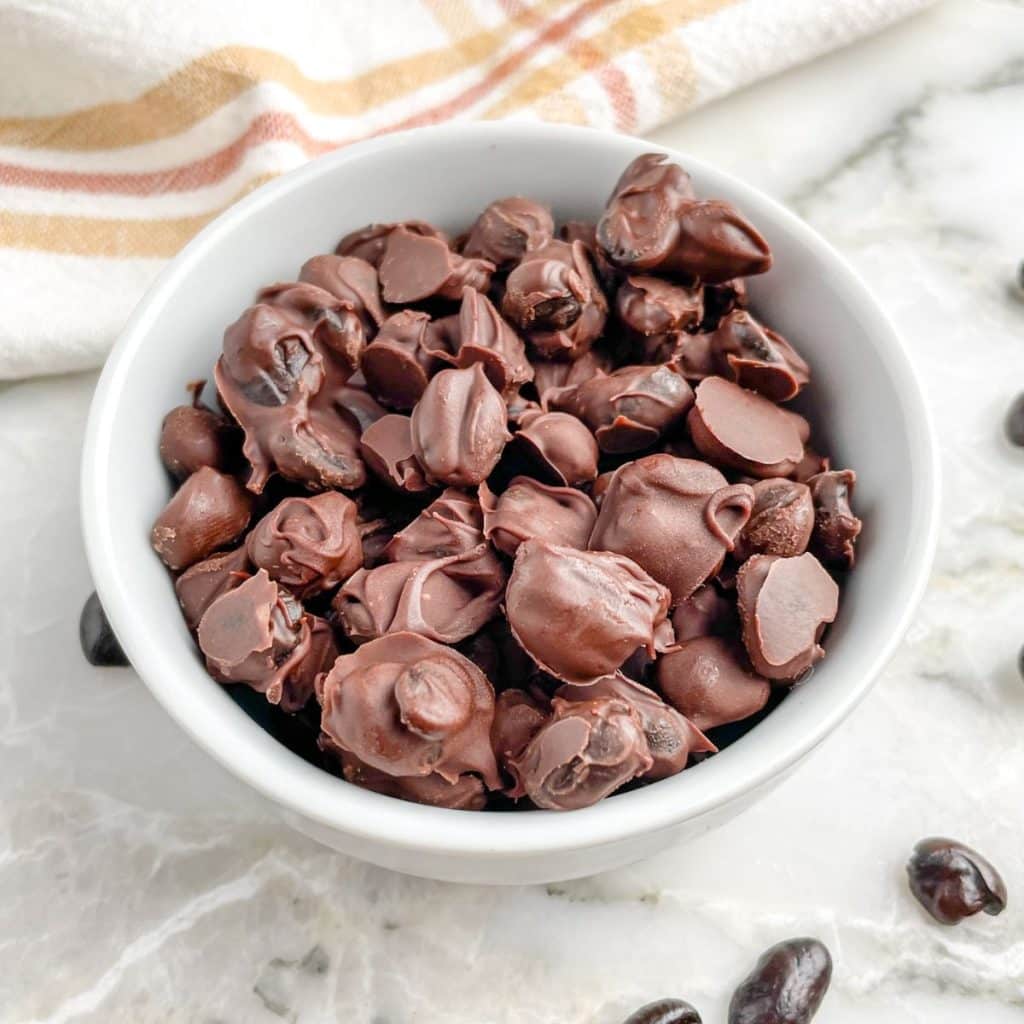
(863, 400)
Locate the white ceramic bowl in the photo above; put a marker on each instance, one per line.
(864, 401)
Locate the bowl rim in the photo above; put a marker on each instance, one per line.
(256, 758)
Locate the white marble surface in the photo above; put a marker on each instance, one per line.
(140, 883)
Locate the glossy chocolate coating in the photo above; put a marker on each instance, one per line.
(676, 518)
(640, 226)
(785, 604)
(518, 717)
(707, 681)
(704, 613)
(416, 267)
(810, 465)
(628, 410)
(581, 614)
(386, 447)
(466, 793)
(671, 738)
(529, 509)
(742, 430)
(651, 307)
(507, 229)
(452, 524)
(351, 280)
(952, 881)
(585, 751)
(444, 599)
(558, 447)
(781, 522)
(398, 364)
(786, 986)
(554, 297)
(585, 232)
(355, 402)
(96, 638)
(479, 334)
(201, 584)
(368, 243)
(755, 357)
(836, 528)
(208, 511)
(257, 633)
(308, 545)
(716, 243)
(193, 436)
(550, 376)
(459, 427)
(407, 706)
(665, 1011)
(276, 380)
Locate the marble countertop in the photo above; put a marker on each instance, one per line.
(141, 883)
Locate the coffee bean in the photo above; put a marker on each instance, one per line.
(786, 985)
(665, 1011)
(99, 645)
(952, 881)
(1014, 422)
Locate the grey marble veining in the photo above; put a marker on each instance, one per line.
(141, 883)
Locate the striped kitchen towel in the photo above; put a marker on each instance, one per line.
(125, 125)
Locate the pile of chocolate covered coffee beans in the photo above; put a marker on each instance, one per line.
(522, 516)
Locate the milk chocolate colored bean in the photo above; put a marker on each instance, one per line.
(258, 634)
(529, 509)
(408, 706)
(716, 243)
(742, 430)
(452, 524)
(650, 306)
(952, 881)
(781, 522)
(586, 750)
(518, 717)
(551, 376)
(628, 410)
(558, 448)
(207, 512)
(786, 986)
(193, 436)
(368, 243)
(458, 427)
(706, 680)
(444, 599)
(785, 604)
(387, 449)
(704, 613)
(353, 281)
(479, 334)
(416, 267)
(671, 738)
(553, 296)
(836, 528)
(398, 364)
(676, 518)
(271, 376)
(755, 357)
(640, 226)
(201, 584)
(507, 229)
(581, 614)
(308, 544)
(466, 793)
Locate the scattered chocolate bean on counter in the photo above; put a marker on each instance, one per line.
(99, 645)
(953, 882)
(1014, 422)
(665, 1011)
(786, 986)
(513, 516)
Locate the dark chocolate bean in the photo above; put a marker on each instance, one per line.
(665, 1011)
(786, 985)
(1014, 423)
(952, 881)
(99, 645)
